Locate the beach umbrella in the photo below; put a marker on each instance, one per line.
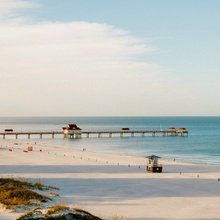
(152, 157)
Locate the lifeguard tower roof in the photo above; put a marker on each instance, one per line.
(152, 157)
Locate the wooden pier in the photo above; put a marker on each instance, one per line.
(99, 134)
(29, 134)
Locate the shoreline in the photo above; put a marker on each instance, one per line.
(109, 185)
(176, 159)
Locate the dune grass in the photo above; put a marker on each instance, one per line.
(56, 208)
(59, 212)
(15, 192)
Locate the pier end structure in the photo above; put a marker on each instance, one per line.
(182, 131)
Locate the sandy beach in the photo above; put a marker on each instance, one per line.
(115, 186)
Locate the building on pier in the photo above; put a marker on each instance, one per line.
(182, 131)
(171, 129)
(8, 130)
(72, 130)
(125, 129)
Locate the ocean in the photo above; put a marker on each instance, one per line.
(201, 146)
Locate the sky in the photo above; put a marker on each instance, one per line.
(109, 58)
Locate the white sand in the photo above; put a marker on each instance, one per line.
(110, 185)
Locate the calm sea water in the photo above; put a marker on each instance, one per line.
(201, 146)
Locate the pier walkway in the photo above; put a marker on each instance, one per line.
(99, 134)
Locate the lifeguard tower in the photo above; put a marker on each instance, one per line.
(152, 164)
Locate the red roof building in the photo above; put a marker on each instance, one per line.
(125, 129)
(171, 129)
(71, 129)
(8, 130)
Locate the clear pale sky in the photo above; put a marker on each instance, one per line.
(110, 57)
